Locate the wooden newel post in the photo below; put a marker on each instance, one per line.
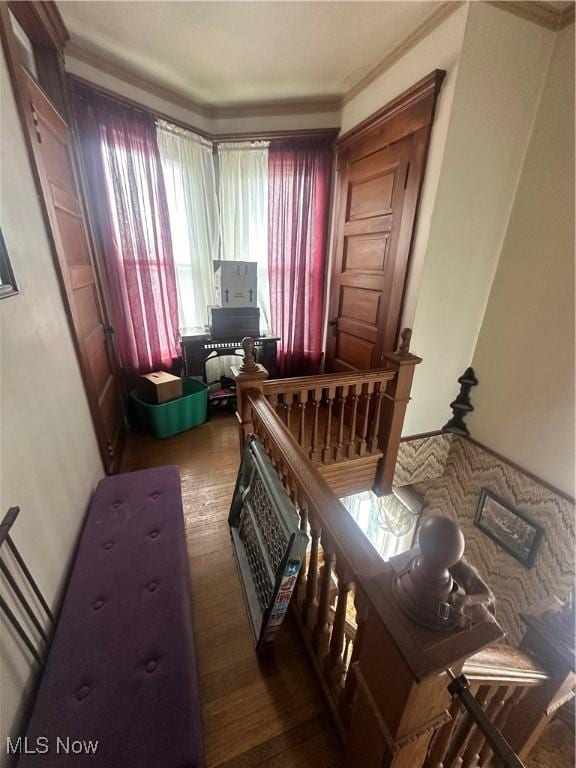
(394, 403)
(401, 696)
(249, 375)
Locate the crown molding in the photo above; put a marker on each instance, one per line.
(306, 105)
(536, 11)
(76, 50)
(325, 133)
(541, 13)
(422, 30)
(279, 107)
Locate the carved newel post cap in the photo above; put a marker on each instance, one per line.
(423, 589)
(404, 345)
(249, 364)
(441, 545)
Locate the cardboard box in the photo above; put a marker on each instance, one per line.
(235, 283)
(159, 387)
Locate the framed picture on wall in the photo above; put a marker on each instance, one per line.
(511, 529)
(8, 285)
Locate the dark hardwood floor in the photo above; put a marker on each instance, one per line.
(255, 713)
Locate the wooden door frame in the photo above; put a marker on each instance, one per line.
(45, 27)
(409, 114)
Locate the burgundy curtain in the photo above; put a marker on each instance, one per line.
(299, 181)
(124, 175)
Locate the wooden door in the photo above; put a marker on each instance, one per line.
(380, 168)
(52, 151)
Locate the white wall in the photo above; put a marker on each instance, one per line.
(500, 77)
(524, 358)
(49, 460)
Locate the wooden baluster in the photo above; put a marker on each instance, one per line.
(310, 606)
(503, 702)
(464, 733)
(334, 664)
(477, 739)
(301, 581)
(273, 400)
(288, 400)
(341, 399)
(317, 397)
(350, 684)
(327, 449)
(302, 402)
(367, 401)
(347, 649)
(443, 737)
(321, 634)
(353, 398)
(375, 426)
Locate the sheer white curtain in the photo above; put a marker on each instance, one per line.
(188, 168)
(243, 188)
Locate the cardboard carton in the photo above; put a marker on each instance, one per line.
(159, 387)
(235, 283)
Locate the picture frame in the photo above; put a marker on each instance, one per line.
(513, 530)
(8, 285)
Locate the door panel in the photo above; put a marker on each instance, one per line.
(380, 166)
(370, 197)
(355, 350)
(52, 155)
(372, 189)
(364, 253)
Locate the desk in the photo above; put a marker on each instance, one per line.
(198, 348)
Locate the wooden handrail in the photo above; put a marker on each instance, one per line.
(325, 380)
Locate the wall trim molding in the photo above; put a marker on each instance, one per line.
(543, 14)
(422, 435)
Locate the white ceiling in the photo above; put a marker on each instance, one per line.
(227, 53)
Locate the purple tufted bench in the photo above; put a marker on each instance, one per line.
(122, 667)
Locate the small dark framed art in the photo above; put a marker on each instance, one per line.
(511, 529)
(8, 285)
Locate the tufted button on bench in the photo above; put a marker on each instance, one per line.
(122, 667)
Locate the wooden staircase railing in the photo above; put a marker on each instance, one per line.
(337, 418)
(338, 550)
(384, 678)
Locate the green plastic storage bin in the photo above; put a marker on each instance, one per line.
(176, 416)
